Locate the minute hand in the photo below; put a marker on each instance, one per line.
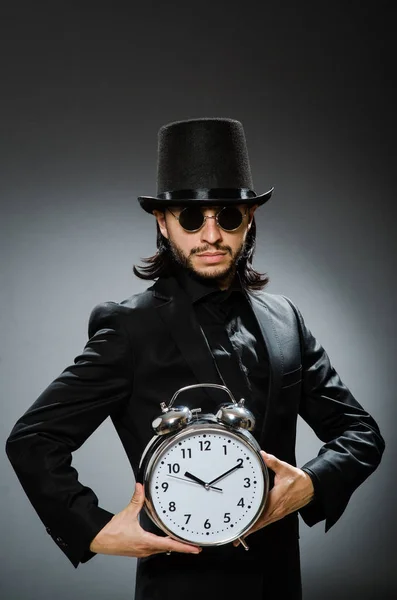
(239, 466)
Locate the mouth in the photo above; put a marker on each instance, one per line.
(211, 257)
(212, 254)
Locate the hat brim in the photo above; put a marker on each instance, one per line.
(150, 203)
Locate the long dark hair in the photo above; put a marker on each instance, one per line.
(162, 264)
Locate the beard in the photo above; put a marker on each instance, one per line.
(219, 275)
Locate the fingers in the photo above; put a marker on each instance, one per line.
(175, 546)
(149, 542)
(167, 544)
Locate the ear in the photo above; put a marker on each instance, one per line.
(251, 211)
(160, 217)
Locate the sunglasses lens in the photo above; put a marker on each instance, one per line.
(230, 218)
(191, 218)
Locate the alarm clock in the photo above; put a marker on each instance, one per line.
(204, 478)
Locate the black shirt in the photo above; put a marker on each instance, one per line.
(233, 334)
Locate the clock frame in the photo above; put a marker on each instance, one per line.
(179, 424)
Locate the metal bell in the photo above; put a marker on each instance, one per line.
(172, 420)
(236, 415)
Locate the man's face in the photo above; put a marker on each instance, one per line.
(211, 252)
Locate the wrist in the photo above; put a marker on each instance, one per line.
(101, 542)
(308, 486)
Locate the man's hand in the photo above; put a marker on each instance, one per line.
(123, 535)
(293, 488)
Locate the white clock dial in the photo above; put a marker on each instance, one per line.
(207, 487)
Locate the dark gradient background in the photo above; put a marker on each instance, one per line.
(85, 87)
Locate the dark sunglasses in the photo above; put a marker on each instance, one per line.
(191, 218)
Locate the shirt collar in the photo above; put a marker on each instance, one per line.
(199, 289)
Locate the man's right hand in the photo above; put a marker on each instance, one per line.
(123, 535)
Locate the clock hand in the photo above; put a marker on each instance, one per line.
(195, 482)
(200, 481)
(196, 479)
(239, 466)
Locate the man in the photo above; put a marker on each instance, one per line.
(204, 320)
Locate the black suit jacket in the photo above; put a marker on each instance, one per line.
(138, 353)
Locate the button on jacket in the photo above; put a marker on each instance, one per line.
(139, 352)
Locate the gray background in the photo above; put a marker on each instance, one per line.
(85, 88)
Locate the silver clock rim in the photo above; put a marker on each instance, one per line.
(242, 435)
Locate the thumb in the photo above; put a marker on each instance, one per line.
(138, 499)
(271, 461)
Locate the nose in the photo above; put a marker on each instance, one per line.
(210, 232)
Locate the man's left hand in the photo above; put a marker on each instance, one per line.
(293, 488)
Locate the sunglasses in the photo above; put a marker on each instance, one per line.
(191, 218)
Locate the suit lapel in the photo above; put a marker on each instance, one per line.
(265, 322)
(177, 314)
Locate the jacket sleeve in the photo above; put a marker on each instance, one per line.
(353, 445)
(67, 412)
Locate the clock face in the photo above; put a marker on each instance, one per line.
(207, 486)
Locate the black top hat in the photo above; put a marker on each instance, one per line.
(203, 161)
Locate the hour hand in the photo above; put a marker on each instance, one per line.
(201, 482)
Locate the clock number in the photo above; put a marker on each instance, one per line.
(164, 486)
(224, 448)
(241, 502)
(186, 452)
(205, 445)
(240, 461)
(247, 482)
(207, 524)
(175, 468)
(226, 518)
(172, 507)
(188, 518)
